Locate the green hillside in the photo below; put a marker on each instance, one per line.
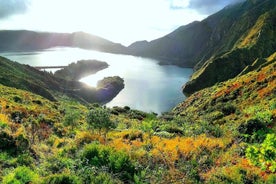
(222, 134)
(45, 84)
(254, 45)
(53, 132)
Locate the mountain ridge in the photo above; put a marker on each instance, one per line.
(22, 40)
(220, 38)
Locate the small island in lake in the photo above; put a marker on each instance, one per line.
(109, 87)
(83, 68)
(106, 89)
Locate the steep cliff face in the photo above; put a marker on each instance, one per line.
(220, 46)
(256, 43)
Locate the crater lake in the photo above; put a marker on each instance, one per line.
(148, 86)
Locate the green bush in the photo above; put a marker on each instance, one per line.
(104, 178)
(237, 176)
(228, 109)
(116, 161)
(22, 143)
(271, 179)
(99, 119)
(22, 175)
(71, 118)
(203, 127)
(253, 130)
(164, 134)
(57, 164)
(25, 159)
(264, 155)
(62, 179)
(149, 125)
(216, 115)
(6, 141)
(17, 99)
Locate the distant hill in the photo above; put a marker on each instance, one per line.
(219, 47)
(20, 40)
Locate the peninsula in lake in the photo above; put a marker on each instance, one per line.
(81, 69)
(50, 87)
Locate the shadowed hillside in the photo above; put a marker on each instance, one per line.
(22, 40)
(28, 78)
(220, 46)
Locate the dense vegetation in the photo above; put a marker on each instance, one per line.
(226, 133)
(222, 134)
(80, 69)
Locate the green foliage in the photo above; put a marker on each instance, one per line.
(25, 159)
(20, 175)
(3, 125)
(164, 134)
(107, 82)
(238, 175)
(117, 162)
(253, 130)
(202, 127)
(62, 179)
(149, 125)
(71, 118)
(99, 118)
(271, 179)
(104, 178)
(264, 155)
(57, 164)
(6, 141)
(228, 109)
(263, 115)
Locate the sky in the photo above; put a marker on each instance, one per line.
(121, 21)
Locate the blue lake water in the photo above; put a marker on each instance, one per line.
(148, 86)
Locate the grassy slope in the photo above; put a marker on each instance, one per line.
(242, 109)
(204, 139)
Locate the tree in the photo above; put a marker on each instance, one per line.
(99, 118)
(71, 118)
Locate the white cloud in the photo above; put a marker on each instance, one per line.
(179, 4)
(123, 21)
(210, 6)
(12, 7)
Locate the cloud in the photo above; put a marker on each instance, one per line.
(12, 7)
(178, 4)
(210, 6)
